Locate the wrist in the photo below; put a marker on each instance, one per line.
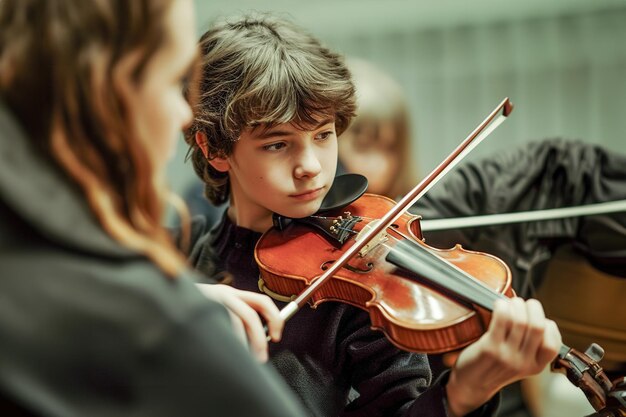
(462, 397)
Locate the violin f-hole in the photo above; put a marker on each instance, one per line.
(369, 267)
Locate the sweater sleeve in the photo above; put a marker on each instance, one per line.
(385, 379)
(548, 174)
(435, 395)
(393, 382)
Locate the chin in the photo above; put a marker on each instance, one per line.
(305, 210)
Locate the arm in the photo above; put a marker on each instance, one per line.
(520, 342)
(244, 306)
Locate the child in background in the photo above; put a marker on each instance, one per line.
(377, 143)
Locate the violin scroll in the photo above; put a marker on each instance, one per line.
(616, 400)
(582, 369)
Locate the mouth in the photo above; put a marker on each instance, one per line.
(308, 195)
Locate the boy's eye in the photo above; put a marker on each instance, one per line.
(324, 135)
(274, 146)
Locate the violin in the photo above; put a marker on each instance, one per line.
(423, 299)
(371, 254)
(387, 277)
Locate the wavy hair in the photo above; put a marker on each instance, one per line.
(75, 57)
(261, 71)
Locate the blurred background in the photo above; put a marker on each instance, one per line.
(562, 63)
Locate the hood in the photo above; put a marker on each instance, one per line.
(33, 188)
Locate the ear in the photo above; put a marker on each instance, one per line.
(202, 142)
(219, 163)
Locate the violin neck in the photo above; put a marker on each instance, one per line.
(414, 258)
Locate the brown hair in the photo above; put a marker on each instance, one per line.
(73, 57)
(262, 71)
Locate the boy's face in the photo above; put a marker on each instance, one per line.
(284, 169)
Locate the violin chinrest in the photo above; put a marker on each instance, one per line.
(346, 189)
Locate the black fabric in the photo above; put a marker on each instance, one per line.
(328, 350)
(90, 328)
(548, 174)
(199, 205)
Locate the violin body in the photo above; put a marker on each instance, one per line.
(413, 314)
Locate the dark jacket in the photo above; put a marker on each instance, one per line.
(549, 174)
(90, 328)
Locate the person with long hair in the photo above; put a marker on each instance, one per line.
(99, 313)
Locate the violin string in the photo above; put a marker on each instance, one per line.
(347, 229)
(466, 283)
(457, 270)
(337, 217)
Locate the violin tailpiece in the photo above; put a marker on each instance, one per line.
(338, 229)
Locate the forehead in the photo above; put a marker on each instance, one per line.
(266, 131)
(312, 122)
(180, 42)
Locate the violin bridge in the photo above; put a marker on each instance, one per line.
(379, 239)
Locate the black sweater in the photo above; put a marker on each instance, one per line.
(329, 355)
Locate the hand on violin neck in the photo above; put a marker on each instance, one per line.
(520, 342)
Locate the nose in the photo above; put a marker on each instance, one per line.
(308, 163)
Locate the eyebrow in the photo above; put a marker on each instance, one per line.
(275, 132)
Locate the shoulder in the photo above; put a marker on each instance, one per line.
(198, 228)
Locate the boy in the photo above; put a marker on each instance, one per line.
(272, 102)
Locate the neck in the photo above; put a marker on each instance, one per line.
(259, 220)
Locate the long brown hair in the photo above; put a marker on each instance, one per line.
(262, 70)
(71, 57)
